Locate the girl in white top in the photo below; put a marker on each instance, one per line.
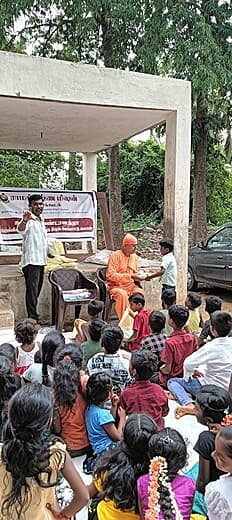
(218, 494)
(25, 333)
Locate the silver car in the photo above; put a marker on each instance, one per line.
(210, 261)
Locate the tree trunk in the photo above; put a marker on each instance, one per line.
(199, 214)
(115, 199)
(115, 204)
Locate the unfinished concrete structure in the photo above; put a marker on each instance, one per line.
(53, 105)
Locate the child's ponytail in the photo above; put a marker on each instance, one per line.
(168, 454)
(161, 495)
(68, 362)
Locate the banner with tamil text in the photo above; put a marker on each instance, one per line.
(69, 216)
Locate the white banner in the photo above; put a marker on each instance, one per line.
(69, 216)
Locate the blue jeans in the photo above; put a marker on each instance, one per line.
(181, 388)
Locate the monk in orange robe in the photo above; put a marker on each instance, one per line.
(122, 273)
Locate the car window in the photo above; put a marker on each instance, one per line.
(222, 240)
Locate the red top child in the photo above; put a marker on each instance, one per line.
(178, 346)
(141, 327)
(143, 396)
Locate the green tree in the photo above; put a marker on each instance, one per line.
(31, 169)
(190, 39)
(90, 31)
(219, 184)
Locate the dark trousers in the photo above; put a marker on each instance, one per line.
(165, 286)
(34, 280)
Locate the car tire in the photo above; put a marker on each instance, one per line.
(191, 282)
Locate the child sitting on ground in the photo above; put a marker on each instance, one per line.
(212, 407)
(100, 422)
(143, 396)
(218, 494)
(163, 490)
(193, 302)
(25, 333)
(93, 345)
(44, 372)
(178, 346)
(168, 299)
(212, 304)
(70, 405)
(30, 464)
(110, 360)
(116, 473)
(217, 358)
(141, 327)
(156, 340)
(80, 331)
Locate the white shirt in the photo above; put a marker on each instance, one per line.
(218, 497)
(216, 355)
(35, 245)
(34, 373)
(25, 359)
(170, 273)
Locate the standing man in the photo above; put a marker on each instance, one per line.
(34, 251)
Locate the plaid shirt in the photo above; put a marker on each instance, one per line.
(154, 342)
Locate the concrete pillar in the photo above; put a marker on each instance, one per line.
(89, 183)
(89, 180)
(177, 189)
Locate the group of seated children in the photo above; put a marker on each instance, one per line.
(92, 403)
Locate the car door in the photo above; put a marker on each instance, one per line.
(215, 258)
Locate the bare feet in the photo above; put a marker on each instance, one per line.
(188, 409)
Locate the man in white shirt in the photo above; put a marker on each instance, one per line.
(34, 251)
(215, 358)
(168, 268)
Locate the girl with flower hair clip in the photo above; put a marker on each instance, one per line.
(163, 494)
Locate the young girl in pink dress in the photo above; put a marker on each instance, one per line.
(163, 494)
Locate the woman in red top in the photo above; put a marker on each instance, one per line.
(70, 405)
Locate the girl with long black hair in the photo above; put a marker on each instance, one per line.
(118, 469)
(30, 464)
(163, 494)
(70, 405)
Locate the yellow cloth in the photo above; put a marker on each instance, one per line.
(118, 276)
(106, 509)
(77, 330)
(55, 247)
(126, 324)
(197, 517)
(193, 321)
(60, 262)
(37, 509)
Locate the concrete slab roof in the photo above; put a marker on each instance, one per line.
(56, 105)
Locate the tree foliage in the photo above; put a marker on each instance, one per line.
(31, 169)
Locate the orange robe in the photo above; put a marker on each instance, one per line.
(118, 276)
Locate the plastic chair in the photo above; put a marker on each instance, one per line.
(104, 293)
(67, 280)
